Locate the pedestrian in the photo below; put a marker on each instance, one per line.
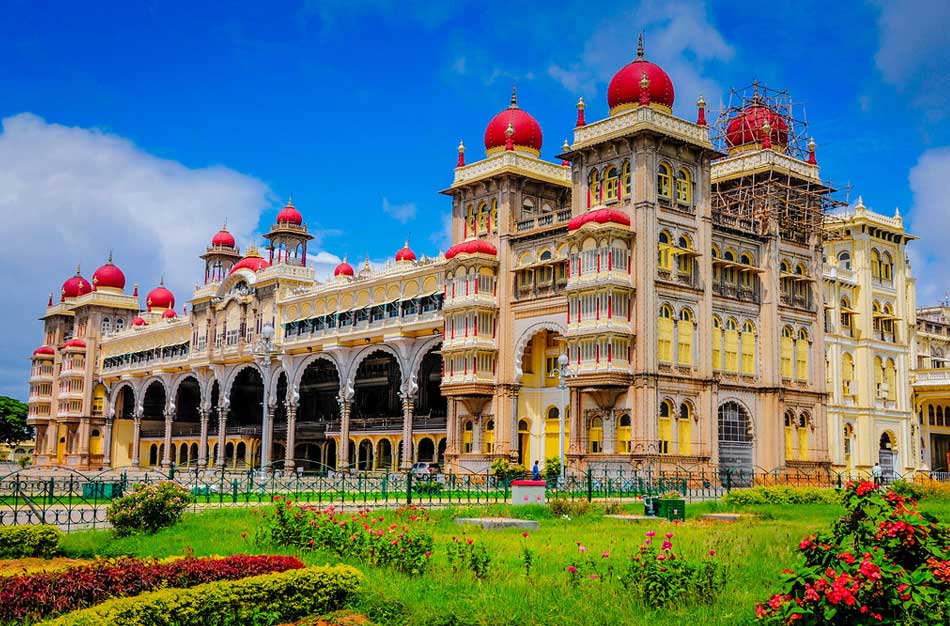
(535, 472)
(876, 474)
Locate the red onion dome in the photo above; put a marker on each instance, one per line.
(75, 343)
(626, 87)
(290, 215)
(169, 314)
(75, 286)
(747, 127)
(600, 216)
(160, 297)
(138, 321)
(253, 261)
(472, 246)
(406, 253)
(527, 131)
(109, 276)
(223, 238)
(344, 269)
(44, 351)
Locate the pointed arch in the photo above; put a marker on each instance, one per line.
(526, 336)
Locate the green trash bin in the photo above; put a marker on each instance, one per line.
(101, 491)
(670, 509)
(201, 490)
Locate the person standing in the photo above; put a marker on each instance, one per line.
(876, 473)
(535, 472)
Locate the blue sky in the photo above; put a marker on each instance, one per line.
(141, 126)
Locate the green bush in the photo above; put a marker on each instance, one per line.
(781, 495)
(18, 542)
(267, 599)
(571, 508)
(149, 508)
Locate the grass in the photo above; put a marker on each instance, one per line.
(754, 551)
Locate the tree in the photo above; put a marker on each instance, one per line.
(13, 428)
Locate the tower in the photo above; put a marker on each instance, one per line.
(287, 239)
(220, 256)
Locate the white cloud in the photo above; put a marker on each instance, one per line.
(69, 195)
(459, 66)
(678, 36)
(443, 237)
(913, 52)
(402, 213)
(930, 218)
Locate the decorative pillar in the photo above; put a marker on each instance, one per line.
(291, 437)
(136, 439)
(343, 450)
(107, 443)
(512, 443)
(451, 428)
(167, 452)
(477, 447)
(203, 443)
(407, 457)
(222, 435)
(609, 421)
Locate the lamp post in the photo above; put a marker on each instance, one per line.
(562, 376)
(264, 353)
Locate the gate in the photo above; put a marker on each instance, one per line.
(735, 445)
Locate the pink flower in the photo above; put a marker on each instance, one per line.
(243, 535)
(593, 576)
(581, 549)
(524, 534)
(669, 535)
(605, 555)
(648, 541)
(651, 533)
(667, 545)
(470, 541)
(571, 569)
(428, 554)
(661, 557)
(712, 553)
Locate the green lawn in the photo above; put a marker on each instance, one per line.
(754, 551)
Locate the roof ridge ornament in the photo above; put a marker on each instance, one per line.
(514, 96)
(640, 56)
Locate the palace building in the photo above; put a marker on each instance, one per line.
(676, 263)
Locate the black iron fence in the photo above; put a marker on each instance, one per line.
(74, 500)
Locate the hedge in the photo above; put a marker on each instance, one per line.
(782, 495)
(267, 599)
(44, 594)
(17, 542)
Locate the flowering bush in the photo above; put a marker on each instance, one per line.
(39, 595)
(404, 546)
(464, 553)
(659, 576)
(149, 508)
(884, 562)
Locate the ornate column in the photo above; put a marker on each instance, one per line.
(107, 442)
(609, 420)
(136, 439)
(267, 438)
(222, 434)
(512, 443)
(407, 406)
(343, 450)
(451, 428)
(291, 437)
(167, 452)
(203, 414)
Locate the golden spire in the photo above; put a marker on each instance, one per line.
(514, 96)
(640, 46)
(566, 147)
(580, 103)
(701, 103)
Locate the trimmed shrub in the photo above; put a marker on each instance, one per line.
(267, 599)
(43, 594)
(149, 508)
(18, 542)
(571, 508)
(782, 495)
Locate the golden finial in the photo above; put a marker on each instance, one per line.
(811, 144)
(580, 103)
(640, 46)
(290, 200)
(514, 95)
(510, 130)
(462, 147)
(644, 81)
(110, 257)
(566, 147)
(77, 269)
(766, 127)
(701, 103)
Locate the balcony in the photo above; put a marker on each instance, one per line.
(797, 301)
(459, 342)
(594, 278)
(736, 292)
(603, 325)
(931, 377)
(471, 299)
(543, 220)
(391, 424)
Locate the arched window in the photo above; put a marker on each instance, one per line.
(684, 338)
(887, 268)
(845, 315)
(665, 426)
(716, 343)
(106, 326)
(664, 258)
(890, 379)
(664, 176)
(664, 324)
(684, 192)
(483, 218)
(847, 376)
(493, 215)
(799, 284)
(801, 355)
(729, 271)
(119, 324)
(716, 267)
(848, 436)
(732, 346)
(611, 184)
(887, 322)
(788, 349)
(595, 436)
(875, 263)
(467, 437)
(684, 428)
(745, 275)
(593, 188)
(470, 221)
(623, 434)
(844, 260)
(735, 425)
(789, 434)
(876, 316)
(785, 278)
(489, 443)
(747, 348)
(625, 179)
(803, 437)
(684, 260)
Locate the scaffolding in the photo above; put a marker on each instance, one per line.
(774, 199)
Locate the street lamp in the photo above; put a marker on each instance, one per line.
(265, 350)
(562, 376)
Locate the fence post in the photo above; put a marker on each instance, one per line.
(409, 487)
(234, 491)
(728, 480)
(590, 485)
